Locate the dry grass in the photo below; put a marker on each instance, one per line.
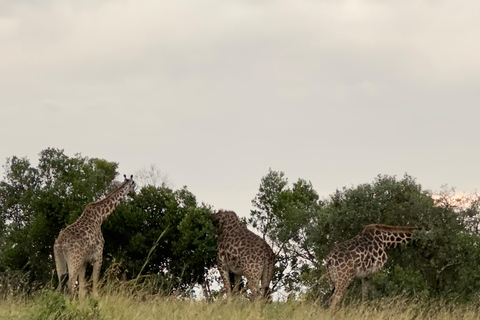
(118, 306)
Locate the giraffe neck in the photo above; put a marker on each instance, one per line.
(98, 211)
(390, 236)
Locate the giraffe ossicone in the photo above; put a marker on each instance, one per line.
(362, 256)
(242, 252)
(82, 242)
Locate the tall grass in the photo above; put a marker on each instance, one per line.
(122, 304)
(139, 300)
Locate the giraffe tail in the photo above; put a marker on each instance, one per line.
(61, 266)
(329, 274)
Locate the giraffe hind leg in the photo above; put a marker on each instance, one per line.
(225, 275)
(236, 282)
(267, 277)
(340, 287)
(81, 281)
(62, 282)
(73, 272)
(253, 283)
(97, 264)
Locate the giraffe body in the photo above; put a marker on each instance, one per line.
(82, 242)
(362, 256)
(242, 252)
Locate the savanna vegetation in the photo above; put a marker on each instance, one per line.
(160, 246)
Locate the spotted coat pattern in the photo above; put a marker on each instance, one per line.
(82, 242)
(361, 257)
(242, 252)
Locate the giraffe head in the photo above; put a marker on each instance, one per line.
(130, 185)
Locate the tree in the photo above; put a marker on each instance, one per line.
(283, 215)
(172, 223)
(152, 176)
(438, 258)
(162, 235)
(441, 261)
(36, 202)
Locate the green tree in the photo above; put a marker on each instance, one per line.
(436, 260)
(162, 233)
(180, 231)
(440, 262)
(283, 215)
(36, 202)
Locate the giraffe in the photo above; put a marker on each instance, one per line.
(361, 257)
(242, 252)
(82, 241)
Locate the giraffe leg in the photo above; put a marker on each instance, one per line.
(72, 277)
(236, 283)
(267, 277)
(340, 286)
(253, 280)
(364, 289)
(81, 281)
(225, 275)
(97, 265)
(337, 296)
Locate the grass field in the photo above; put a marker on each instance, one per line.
(52, 305)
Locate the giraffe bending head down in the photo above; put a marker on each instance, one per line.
(82, 241)
(242, 252)
(361, 257)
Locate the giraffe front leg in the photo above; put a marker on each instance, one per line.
(97, 265)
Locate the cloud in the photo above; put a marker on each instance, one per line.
(430, 44)
(350, 87)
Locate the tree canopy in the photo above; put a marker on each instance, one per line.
(36, 202)
(441, 261)
(165, 236)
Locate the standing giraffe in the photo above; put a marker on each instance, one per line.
(242, 252)
(361, 257)
(82, 241)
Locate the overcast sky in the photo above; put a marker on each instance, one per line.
(214, 93)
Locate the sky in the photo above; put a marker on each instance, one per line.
(213, 93)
